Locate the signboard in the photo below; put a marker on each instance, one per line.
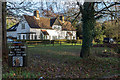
(17, 55)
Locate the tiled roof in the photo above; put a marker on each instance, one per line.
(13, 28)
(38, 22)
(67, 26)
(46, 23)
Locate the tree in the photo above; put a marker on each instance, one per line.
(99, 32)
(88, 21)
(89, 16)
(111, 28)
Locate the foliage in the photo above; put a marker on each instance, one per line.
(98, 32)
(9, 23)
(111, 29)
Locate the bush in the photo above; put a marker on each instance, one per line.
(117, 49)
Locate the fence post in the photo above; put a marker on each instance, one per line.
(72, 42)
(53, 42)
(60, 43)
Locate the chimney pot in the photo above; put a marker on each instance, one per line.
(36, 13)
(62, 18)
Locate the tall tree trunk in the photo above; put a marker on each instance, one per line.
(87, 28)
(4, 41)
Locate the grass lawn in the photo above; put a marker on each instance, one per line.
(64, 61)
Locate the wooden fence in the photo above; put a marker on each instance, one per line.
(53, 42)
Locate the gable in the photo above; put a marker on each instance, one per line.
(66, 25)
(52, 21)
(57, 22)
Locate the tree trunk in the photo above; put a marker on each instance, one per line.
(87, 28)
(4, 41)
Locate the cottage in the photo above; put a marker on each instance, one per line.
(41, 28)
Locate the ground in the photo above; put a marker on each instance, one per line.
(63, 61)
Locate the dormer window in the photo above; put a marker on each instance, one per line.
(56, 27)
(23, 26)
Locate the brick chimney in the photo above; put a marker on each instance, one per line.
(36, 13)
(61, 18)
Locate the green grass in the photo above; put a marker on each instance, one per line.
(64, 61)
(57, 44)
(118, 42)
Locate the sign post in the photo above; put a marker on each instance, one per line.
(17, 55)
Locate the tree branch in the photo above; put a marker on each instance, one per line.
(81, 11)
(106, 8)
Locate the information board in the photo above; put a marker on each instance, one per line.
(17, 55)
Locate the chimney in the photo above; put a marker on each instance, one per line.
(62, 18)
(36, 13)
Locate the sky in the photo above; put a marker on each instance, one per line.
(62, 0)
(64, 4)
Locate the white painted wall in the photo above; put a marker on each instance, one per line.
(12, 33)
(52, 34)
(20, 30)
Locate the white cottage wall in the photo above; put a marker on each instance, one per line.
(12, 33)
(20, 30)
(52, 34)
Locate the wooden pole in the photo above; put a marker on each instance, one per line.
(4, 40)
(0, 40)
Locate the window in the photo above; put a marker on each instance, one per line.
(59, 37)
(28, 37)
(54, 37)
(49, 37)
(23, 26)
(54, 27)
(41, 36)
(35, 37)
(23, 37)
(19, 37)
(58, 28)
(32, 36)
(46, 37)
